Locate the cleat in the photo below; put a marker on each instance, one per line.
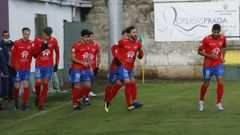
(219, 107)
(137, 105)
(16, 105)
(86, 101)
(131, 107)
(36, 102)
(24, 108)
(106, 106)
(91, 94)
(201, 105)
(41, 108)
(77, 107)
(1, 108)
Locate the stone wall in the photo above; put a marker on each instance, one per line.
(164, 60)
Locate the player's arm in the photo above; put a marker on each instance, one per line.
(14, 55)
(74, 59)
(13, 59)
(78, 61)
(56, 49)
(224, 49)
(99, 57)
(140, 51)
(202, 52)
(36, 50)
(115, 53)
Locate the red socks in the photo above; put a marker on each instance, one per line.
(203, 92)
(44, 94)
(219, 93)
(25, 96)
(75, 95)
(128, 93)
(134, 91)
(16, 94)
(37, 89)
(108, 92)
(114, 91)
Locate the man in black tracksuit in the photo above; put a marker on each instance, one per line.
(7, 83)
(3, 70)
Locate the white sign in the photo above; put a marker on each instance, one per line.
(193, 21)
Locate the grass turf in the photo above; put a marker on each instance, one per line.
(170, 108)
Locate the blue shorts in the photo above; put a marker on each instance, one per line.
(125, 73)
(22, 75)
(43, 72)
(77, 76)
(208, 72)
(113, 76)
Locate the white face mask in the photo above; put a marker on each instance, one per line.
(6, 40)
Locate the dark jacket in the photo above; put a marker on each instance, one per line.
(7, 49)
(3, 63)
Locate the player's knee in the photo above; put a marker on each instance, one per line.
(119, 82)
(38, 80)
(127, 81)
(76, 85)
(45, 80)
(206, 83)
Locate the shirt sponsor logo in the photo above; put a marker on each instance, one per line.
(24, 54)
(130, 54)
(46, 52)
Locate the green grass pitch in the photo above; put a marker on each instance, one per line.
(170, 108)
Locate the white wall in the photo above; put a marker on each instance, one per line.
(22, 14)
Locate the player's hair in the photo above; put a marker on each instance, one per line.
(48, 31)
(129, 29)
(85, 32)
(4, 32)
(91, 33)
(216, 27)
(123, 32)
(25, 29)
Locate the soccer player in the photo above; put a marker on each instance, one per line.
(213, 48)
(45, 65)
(81, 69)
(113, 80)
(21, 62)
(128, 49)
(95, 57)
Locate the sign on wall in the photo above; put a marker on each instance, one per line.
(193, 21)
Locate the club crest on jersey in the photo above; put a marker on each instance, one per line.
(46, 52)
(130, 54)
(220, 43)
(24, 54)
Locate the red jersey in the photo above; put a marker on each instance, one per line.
(81, 53)
(22, 54)
(114, 53)
(214, 47)
(45, 58)
(128, 51)
(94, 50)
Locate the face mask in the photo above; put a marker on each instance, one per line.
(6, 40)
